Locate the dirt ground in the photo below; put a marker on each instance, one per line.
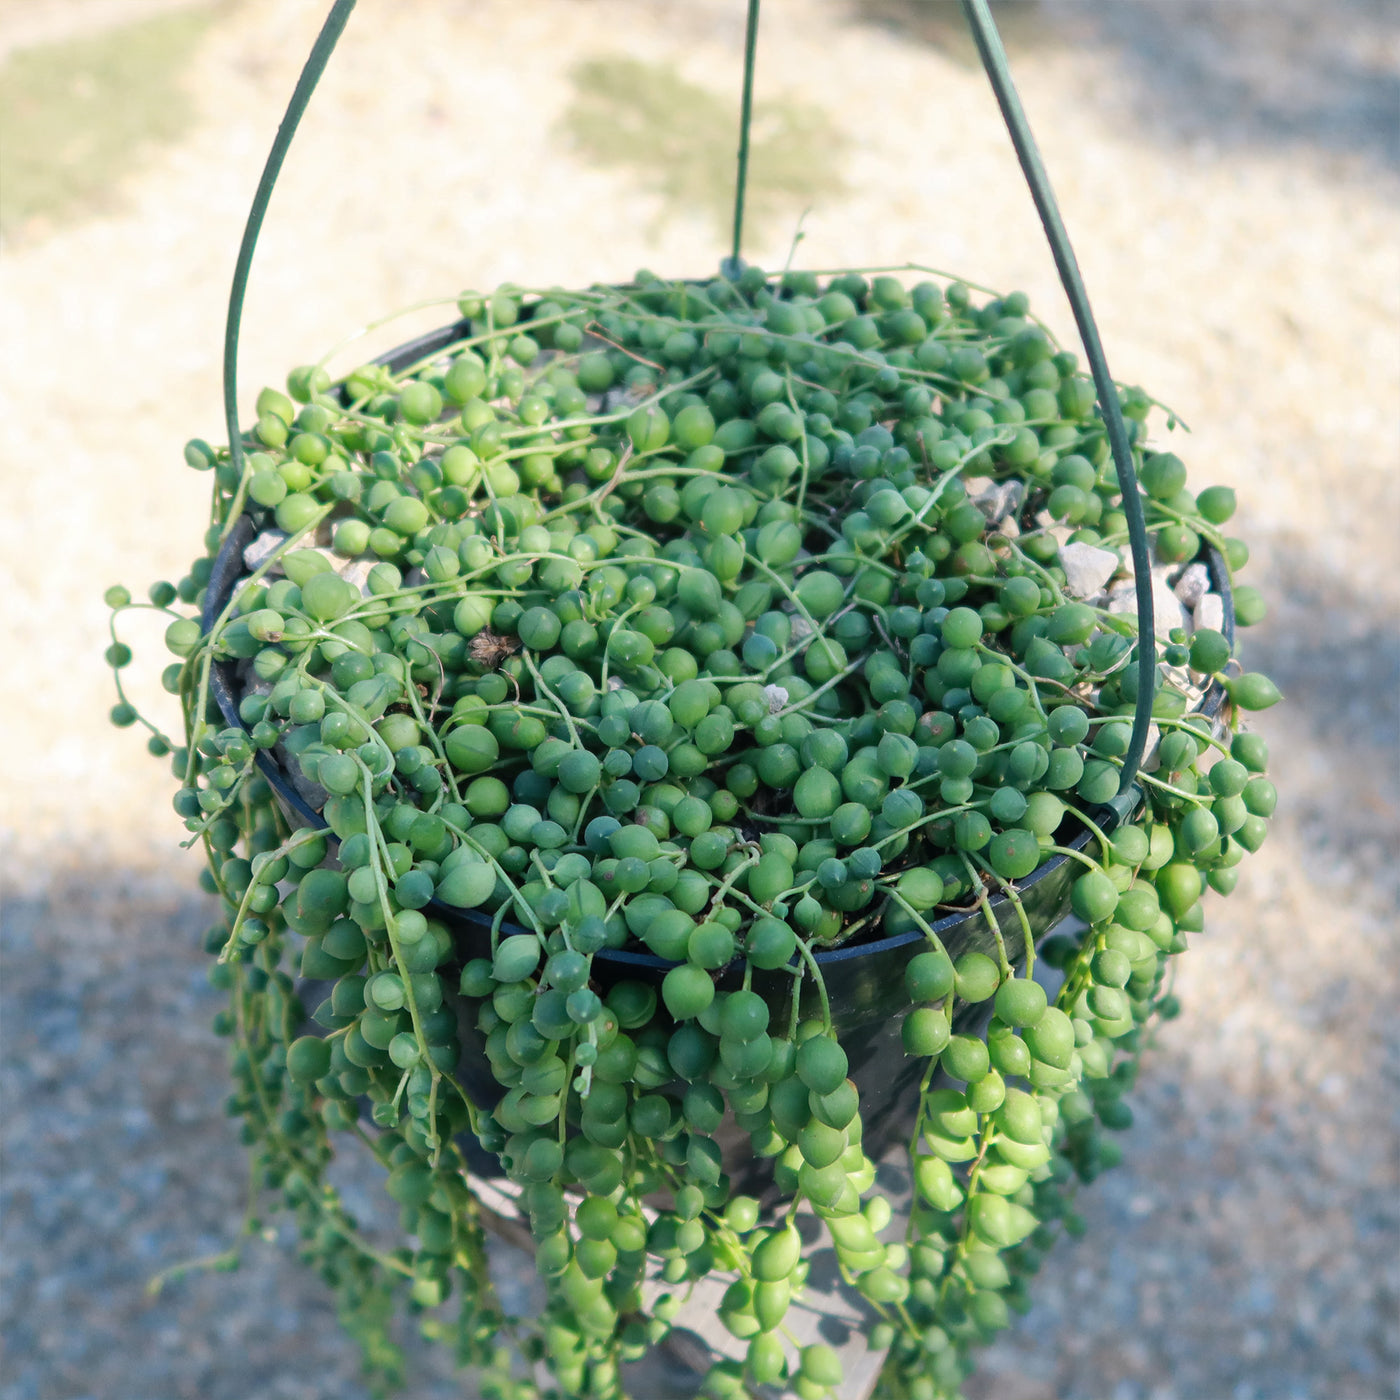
(1229, 172)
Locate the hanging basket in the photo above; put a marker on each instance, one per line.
(683, 870)
(865, 978)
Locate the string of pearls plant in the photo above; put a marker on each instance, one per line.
(729, 622)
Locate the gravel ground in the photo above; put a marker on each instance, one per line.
(1229, 172)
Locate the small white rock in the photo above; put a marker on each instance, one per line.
(1150, 762)
(800, 627)
(1193, 585)
(1167, 612)
(356, 571)
(1209, 612)
(624, 397)
(266, 544)
(1000, 501)
(776, 696)
(1087, 568)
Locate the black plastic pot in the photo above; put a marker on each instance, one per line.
(864, 980)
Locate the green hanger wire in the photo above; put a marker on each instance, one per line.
(993, 54)
(306, 85)
(733, 264)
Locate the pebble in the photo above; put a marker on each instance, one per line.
(1167, 612)
(1149, 749)
(262, 548)
(776, 696)
(1193, 585)
(1087, 568)
(356, 571)
(1000, 501)
(1209, 612)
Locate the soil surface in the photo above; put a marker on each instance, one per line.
(1229, 172)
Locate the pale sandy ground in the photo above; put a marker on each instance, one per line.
(1229, 173)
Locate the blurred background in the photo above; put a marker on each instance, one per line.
(1229, 172)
